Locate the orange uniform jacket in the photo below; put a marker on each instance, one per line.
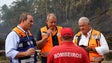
(48, 45)
(93, 56)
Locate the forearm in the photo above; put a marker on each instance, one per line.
(102, 50)
(21, 54)
(29, 52)
(93, 50)
(89, 49)
(41, 43)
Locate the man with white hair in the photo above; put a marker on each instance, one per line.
(91, 40)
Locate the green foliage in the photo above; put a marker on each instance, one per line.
(67, 11)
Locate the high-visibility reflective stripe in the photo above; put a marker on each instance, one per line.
(96, 58)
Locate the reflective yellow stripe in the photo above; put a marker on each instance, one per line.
(96, 58)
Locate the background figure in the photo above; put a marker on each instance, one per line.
(20, 44)
(67, 52)
(91, 40)
(48, 36)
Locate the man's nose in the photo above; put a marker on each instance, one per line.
(32, 23)
(53, 23)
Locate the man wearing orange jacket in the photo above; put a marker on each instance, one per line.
(48, 36)
(91, 40)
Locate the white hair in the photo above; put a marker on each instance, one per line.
(51, 14)
(85, 19)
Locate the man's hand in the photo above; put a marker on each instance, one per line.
(30, 51)
(89, 49)
(49, 31)
(41, 43)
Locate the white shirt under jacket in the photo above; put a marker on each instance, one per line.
(103, 49)
(11, 44)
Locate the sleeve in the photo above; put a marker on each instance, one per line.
(103, 49)
(85, 57)
(11, 44)
(50, 58)
(39, 37)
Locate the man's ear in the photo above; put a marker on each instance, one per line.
(22, 20)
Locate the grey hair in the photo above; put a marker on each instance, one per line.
(51, 14)
(85, 19)
(23, 16)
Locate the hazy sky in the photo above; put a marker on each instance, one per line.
(8, 2)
